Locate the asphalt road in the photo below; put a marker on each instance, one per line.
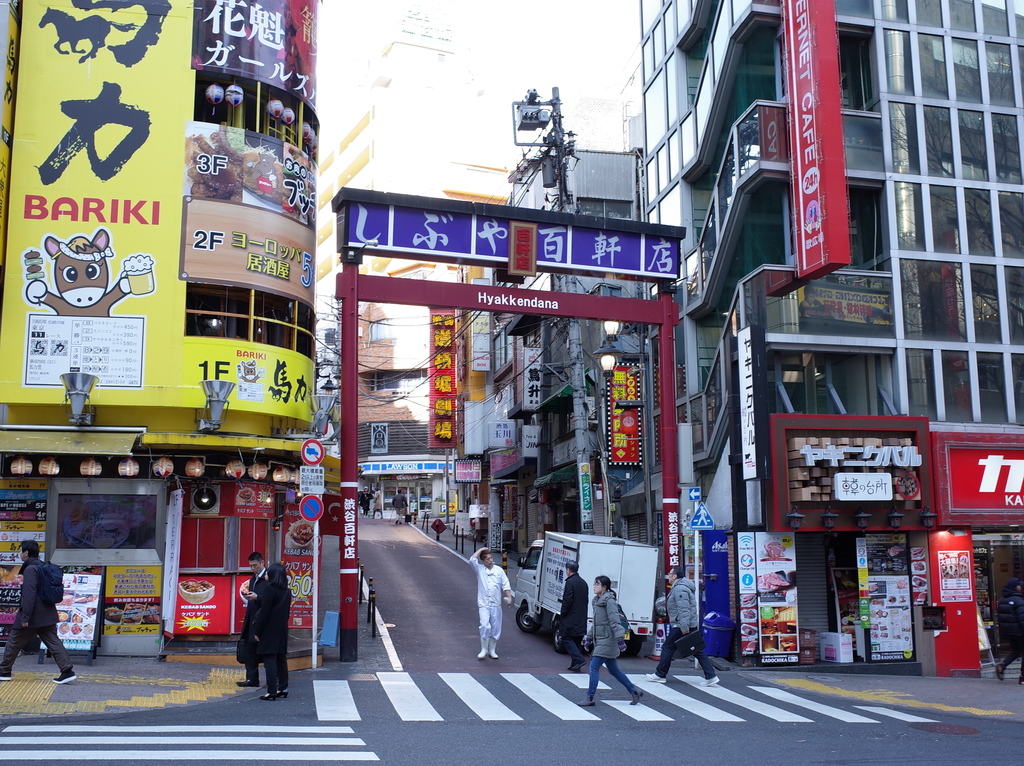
(428, 594)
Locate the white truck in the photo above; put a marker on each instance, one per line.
(632, 568)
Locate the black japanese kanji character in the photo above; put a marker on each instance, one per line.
(133, 51)
(284, 385)
(301, 389)
(90, 116)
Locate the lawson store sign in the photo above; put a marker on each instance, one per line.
(464, 232)
(408, 466)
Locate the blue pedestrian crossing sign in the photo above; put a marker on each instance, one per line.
(702, 518)
(693, 494)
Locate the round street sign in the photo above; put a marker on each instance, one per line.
(311, 508)
(312, 452)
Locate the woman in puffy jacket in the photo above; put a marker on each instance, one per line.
(607, 637)
(1011, 625)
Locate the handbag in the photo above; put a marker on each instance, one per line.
(689, 644)
(242, 653)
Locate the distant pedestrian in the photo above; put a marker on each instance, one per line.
(681, 605)
(270, 629)
(608, 639)
(251, 592)
(573, 616)
(365, 498)
(1011, 625)
(401, 505)
(492, 589)
(35, 618)
(378, 503)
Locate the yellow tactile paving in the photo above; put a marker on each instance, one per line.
(32, 693)
(884, 697)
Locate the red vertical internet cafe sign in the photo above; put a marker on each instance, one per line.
(818, 177)
(442, 378)
(624, 419)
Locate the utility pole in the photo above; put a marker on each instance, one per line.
(556, 147)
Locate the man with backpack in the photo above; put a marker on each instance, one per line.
(36, 616)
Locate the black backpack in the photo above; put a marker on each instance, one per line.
(51, 583)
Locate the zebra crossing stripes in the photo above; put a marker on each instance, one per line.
(407, 698)
(525, 696)
(193, 743)
(473, 693)
(755, 706)
(783, 696)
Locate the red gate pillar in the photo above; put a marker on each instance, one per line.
(667, 433)
(348, 444)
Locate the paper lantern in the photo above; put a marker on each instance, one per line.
(275, 109)
(128, 467)
(215, 94)
(90, 467)
(280, 475)
(307, 131)
(258, 470)
(195, 467)
(234, 95)
(49, 466)
(21, 466)
(235, 469)
(163, 466)
(288, 116)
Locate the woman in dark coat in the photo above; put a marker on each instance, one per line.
(1011, 625)
(270, 629)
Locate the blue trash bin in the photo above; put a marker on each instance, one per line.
(718, 634)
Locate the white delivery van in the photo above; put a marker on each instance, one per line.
(632, 568)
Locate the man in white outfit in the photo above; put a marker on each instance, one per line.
(491, 585)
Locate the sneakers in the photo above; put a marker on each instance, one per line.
(586, 702)
(5, 677)
(656, 678)
(636, 695)
(576, 667)
(709, 681)
(65, 676)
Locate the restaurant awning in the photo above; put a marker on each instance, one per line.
(559, 402)
(562, 474)
(284, 448)
(68, 442)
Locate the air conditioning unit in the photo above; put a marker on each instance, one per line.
(204, 500)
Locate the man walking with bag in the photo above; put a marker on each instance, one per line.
(35, 617)
(681, 605)
(573, 615)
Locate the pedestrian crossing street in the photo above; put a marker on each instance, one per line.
(525, 696)
(70, 742)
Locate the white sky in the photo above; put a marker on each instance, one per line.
(586, 48)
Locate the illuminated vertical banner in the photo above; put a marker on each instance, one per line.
(624, 436)
(818, 176)
(442, 378)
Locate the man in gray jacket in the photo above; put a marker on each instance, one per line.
(35, 617)
(681, 605)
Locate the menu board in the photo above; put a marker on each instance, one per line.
(745, 548)
(297, 556)
(131, 600)
(22, 517)
(59, 341)
(954, 576)
(10, 597)
(78, 613)
(918, 576)
(775, 555)
(847, 590)
(203, 605)
(891, 630)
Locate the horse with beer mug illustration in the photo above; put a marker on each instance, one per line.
(82, 278)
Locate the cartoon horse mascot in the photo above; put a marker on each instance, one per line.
(81, 275)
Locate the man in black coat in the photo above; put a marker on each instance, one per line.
(1011, 625)
(35, 617)
(573, 616)
(256, 586)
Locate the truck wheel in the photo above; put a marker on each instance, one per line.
(556, 629)
(633, 646)
(525, 621)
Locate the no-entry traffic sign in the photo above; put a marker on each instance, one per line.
(311, 508)
(312, 452)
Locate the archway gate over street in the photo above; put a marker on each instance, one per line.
(518, 240)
